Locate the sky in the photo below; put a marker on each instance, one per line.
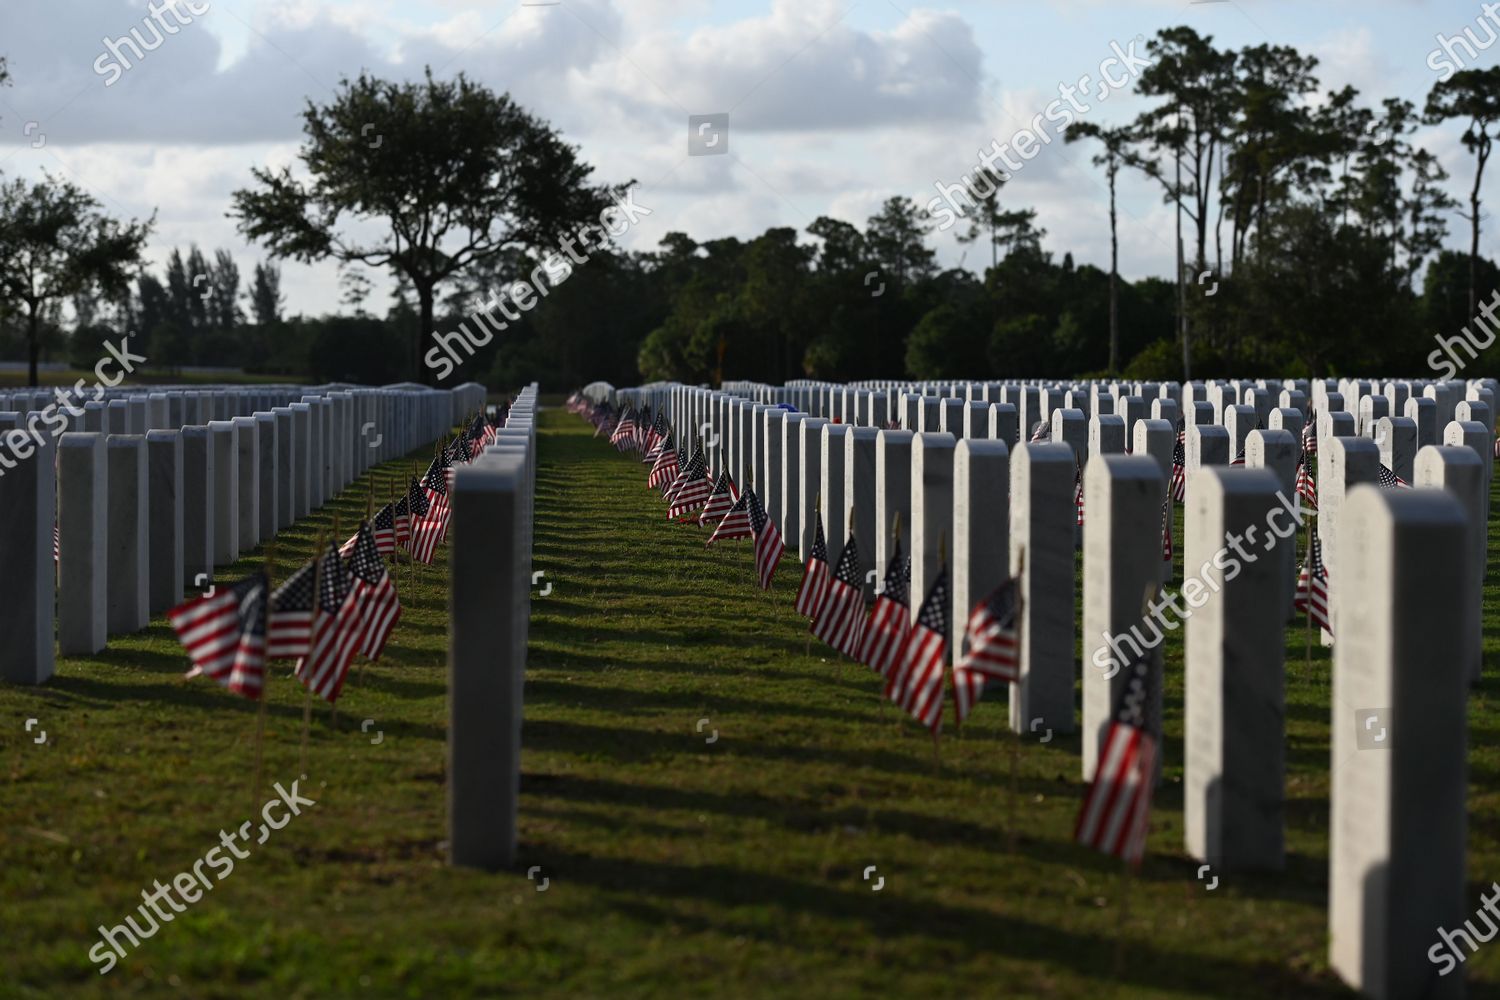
(833, 105)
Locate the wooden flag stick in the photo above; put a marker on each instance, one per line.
(1307, 601)
(307, 701)
(1015, 743)
(260, 711)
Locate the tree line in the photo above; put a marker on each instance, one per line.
(1310, 238)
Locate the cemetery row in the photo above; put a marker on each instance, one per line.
(996, 484)
(117, 505)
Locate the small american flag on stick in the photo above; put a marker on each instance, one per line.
(841, 618)
(916, 682)
(768, 544)
(379, 606)
(1388, 480)
(225, 635)
(736, 522)
(1177, 489)
(720, 501)
(335, 631)
(890, 620)
(665, 468)
(814, 573)
(695, 489)
(290, 620)
(1312, 587)
(993, 635)
(1117, 807)
(1307, 487)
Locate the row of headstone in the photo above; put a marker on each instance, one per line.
(138, 507)
(1405, 569)
(489, 614)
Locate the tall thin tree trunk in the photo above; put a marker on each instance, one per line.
(1182, 322)
(33, 340)
(425, 329)
(1481, 155)
(1114, 279)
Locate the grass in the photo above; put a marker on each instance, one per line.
(675, 866)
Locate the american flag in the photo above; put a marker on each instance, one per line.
(1078, 492)
(335, 631)
(994, 637)
(430, 530)
(665, 469)
(768, 544)
(56, 544)
(458, 451)
(1310, 435)
(384, 528)
(1039, 432)
(289, 626)
(736, 522)
(841, 618)
(1307, 487)
(1312, 587)
(1177, 489)
(1240, 458)
(890, 620)
(225, 635)
(624, 434)
(685, 470)
(379, 606)
(695, 489)
(814, 586)
(1117, 808)
(1388, 480)
(655, 438)
(410, 509)
(916, 680)
(719, 501)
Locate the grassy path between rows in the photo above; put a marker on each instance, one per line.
(676, 862)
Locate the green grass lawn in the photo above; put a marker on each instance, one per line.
(675, 866)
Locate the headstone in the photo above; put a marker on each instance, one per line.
(1071, 427)
(488, 614)
(1398, 829)
(83, 561)
(1106, 435)
(247, 441)
(981, 530)
(164, 520)
(859, 493)
(268, 455)
(1042, 524)
(810, 480)
(1460, 472)
(199, 501)
(128, 558)
(893, 457)
(931, 511)
(1121, 574)
(224, 440)
(773, 440)
(1347, 462)
(1235, 765)
(833, 476)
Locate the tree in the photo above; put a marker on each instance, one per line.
(1116, 153)
(1006, 229)
(450, 171)
(897, 238)
(265, 294)
(1473, 94)
(224, 311)
(55, 243)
